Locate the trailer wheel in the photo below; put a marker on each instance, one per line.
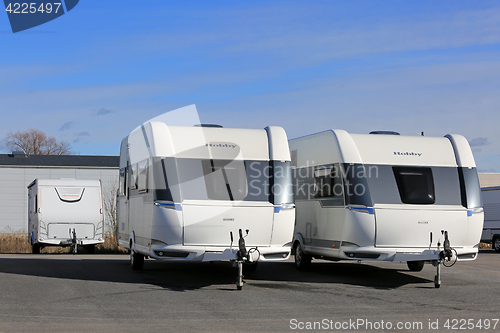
(250, 268)
(496, 244)
(136, 260)
(35, 248)
(415, 266)
(302, 260)
(91, 249)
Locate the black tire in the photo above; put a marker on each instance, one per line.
(415, 266)
(496, 244)
(35, 248)
(250, 268)
(302, 260)
(136, 260)
(91, 249)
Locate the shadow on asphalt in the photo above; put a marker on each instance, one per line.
(191, 276)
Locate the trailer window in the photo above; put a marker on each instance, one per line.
(225, 179)
(281, 188)
(385, 190)
(142, 176)
(415, 185)
(356, 189)
(123, 182)
(328, 182)
(470, 188)
(133, 176)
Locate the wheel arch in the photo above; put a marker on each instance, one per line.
(297, 239)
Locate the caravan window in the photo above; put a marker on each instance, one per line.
(356, 189)
(384, 187)
(415, 185)
(133, 176)
(328, 181)
(123, 183)
(224, 179)
(470, 189)
(142, 176)
(282, 188)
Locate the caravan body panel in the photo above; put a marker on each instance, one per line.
(184, 190)
(385, 197)
(491, 202)
(60, 208)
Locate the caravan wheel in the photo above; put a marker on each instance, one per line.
(302, 260)
(250, 268)
(415, 266)
(91, 249)
(136, 260)
(35, 248)
(496, 244)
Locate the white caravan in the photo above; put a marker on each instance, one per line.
(385, 197)
(185, 190)
(65, 212)
(491, 204)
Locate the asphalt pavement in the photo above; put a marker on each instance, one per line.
(100, 293)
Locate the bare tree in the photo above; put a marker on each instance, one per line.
(36, 142)
(109, 192)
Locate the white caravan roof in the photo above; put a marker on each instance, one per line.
(67, 182)
(156, 139)
(379, 149)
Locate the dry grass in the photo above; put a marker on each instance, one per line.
(18, 243)
(484, 246)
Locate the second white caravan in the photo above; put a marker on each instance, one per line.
(491, 229)
(65, 212)
(184, 191)
(385, 197)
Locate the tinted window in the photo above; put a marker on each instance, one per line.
(328, 180)
(162, 189)
(415, 185)
(142, 177)
(357, 191)
(133, 176)
(123, 184)
(471, 191)
(282, 189)
(225, 179)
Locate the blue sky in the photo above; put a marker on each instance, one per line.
(94, 74)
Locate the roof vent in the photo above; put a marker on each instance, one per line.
(208, 125)
(384, 132)
(19, 154)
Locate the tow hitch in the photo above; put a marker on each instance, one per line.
(445, 258)
(242, 256)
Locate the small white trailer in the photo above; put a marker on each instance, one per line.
(491, 204)
(65, 212)
(185, 191)
(385, 197)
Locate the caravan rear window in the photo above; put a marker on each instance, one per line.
(415, 185)
(224, 179)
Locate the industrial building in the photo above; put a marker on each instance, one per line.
(18, 170)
